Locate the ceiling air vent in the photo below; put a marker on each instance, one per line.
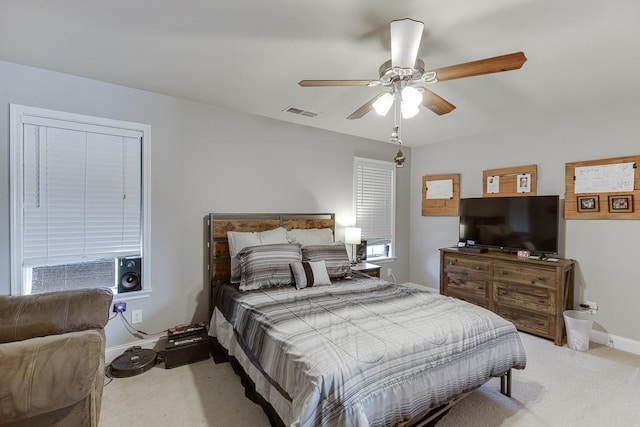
(299, 112)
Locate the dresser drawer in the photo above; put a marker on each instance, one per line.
(535, 298)
(466, 265)
(467, 284)
(482, 302)
(536, 323)
(513, 272)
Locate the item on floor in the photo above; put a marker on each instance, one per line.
(185, 345)
(578, 324)
(134, 361)
(186, 330)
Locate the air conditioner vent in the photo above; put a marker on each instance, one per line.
(299, 112)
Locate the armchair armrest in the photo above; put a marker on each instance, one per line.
(41, 375)
(52, 313)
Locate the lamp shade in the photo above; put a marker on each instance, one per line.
(412, 96)
(411, 99)
(352, 235)
(408, 110)
(383, 104)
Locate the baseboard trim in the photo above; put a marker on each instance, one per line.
(615, 341)
(113, 352)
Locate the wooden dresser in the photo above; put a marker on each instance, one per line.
(530, 293)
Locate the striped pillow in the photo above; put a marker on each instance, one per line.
(267, 265)
(239, 240)
(335, 257)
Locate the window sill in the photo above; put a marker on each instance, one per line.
(380, 260)
(128, 296)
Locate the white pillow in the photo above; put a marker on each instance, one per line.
(270, 237)
(239, 240)
(307, 274)
(311, 236)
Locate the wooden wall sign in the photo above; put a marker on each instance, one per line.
(509, 182)
(602, 189)
(441, 195)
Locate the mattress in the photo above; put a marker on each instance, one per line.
(361, 352)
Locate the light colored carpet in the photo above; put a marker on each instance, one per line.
(559, 387)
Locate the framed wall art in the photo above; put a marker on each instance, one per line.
(612, 184)
(588, 203)
(621, 203)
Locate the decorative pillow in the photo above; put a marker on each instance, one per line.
(308, 274)
(335, 257)
(267, 265)
(311, 236)
(240, 240)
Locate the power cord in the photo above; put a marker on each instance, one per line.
(132, 328)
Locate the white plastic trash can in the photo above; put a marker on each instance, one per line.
(578, 325)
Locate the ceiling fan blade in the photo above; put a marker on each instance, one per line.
(512, 61)
(405, 41)
(365, 108)
(320, 83)
(435, 103)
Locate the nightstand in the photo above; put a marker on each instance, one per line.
(367, 268)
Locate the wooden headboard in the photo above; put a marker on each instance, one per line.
(218, 266)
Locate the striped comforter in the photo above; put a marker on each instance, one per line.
(366, 352)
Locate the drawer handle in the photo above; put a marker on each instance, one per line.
(542, 279)
(540, 323)
(504, 273)
(452, 263)
(478, 267)
(479, 287)
(542, 301)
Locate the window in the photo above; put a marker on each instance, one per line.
(79, 199)
(374, 198)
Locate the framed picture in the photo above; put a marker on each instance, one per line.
(588, 203)
(621, 203)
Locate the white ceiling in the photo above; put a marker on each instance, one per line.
(249, 55)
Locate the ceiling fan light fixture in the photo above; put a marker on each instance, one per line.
(430, 77)
(405, 41)
(383, 104)
(411, 96)
(409, 110)
(399, 159)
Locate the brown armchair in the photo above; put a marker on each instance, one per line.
(52, 349)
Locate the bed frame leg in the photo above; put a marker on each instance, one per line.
(505, 384)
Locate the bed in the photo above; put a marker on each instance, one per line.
(356, 351)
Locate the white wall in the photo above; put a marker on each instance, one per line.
(605, 250)
(204, 159)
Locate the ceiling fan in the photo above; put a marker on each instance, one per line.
(405, 72)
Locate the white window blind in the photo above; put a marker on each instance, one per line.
(82, 198)
(374, 195)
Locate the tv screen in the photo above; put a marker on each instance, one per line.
(511, 223)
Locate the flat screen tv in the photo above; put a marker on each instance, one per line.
(511, 223)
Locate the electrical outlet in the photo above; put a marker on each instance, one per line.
(389, 271)
(136, 316)
(592, 305)
(119, 307)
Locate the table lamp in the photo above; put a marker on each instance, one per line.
(353, 236)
